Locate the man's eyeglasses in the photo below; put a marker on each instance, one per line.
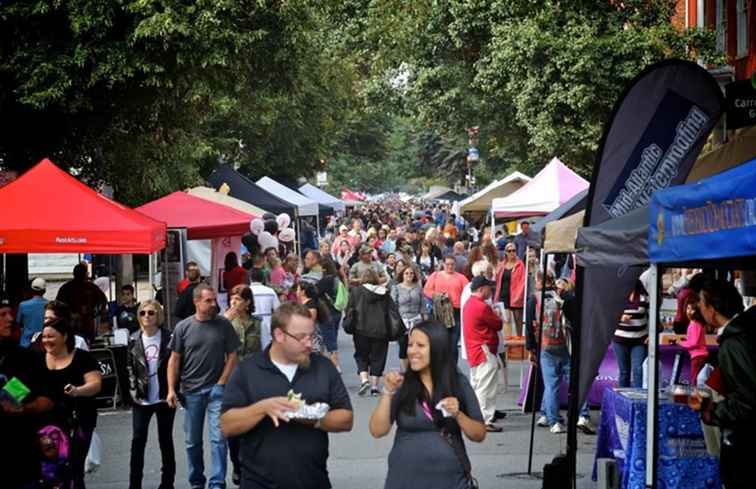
(147, 312)
(302, 338)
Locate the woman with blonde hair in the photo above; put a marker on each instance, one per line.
(148, 355)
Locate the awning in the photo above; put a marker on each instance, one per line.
(560, 236)
(305, 206)
(480, 201)
(213, 195)
(322, 197)
(552, 187)
(201, 218)
(46, 210)
(244, 189)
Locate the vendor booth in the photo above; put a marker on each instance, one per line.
(479, 203)
(549, 189)
(314, 193)
(213, 195)
(242, 188)
(46, 210)
(191, 218)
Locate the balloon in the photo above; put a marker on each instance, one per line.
(271, 226)
(251, 243)
(267, 241)
(256, 226)
(283, 220)
(287, 235)
(268, 216)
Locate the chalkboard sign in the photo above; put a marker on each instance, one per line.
(109, 371)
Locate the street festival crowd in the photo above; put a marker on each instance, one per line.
(266, 372)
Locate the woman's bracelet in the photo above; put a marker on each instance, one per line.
(387, 392)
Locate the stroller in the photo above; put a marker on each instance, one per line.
(54, 447)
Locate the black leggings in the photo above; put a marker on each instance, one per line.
(403, 344)
(370, 354)
(141, 416)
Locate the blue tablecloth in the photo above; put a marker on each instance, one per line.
(683, 460)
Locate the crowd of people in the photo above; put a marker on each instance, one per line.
(274, 352)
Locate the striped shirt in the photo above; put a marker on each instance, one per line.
(635, 330)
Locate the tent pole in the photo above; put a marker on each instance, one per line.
(151, 272)
(574, 388)
(653, 379)
(537, 367)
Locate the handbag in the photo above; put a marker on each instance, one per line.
(342, 297)
(394, 323)
(459, 451)
(349, 323)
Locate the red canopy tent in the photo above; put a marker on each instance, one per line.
(46, 210)
(201, 218)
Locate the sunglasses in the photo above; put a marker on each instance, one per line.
(510, 251)
(147, 312)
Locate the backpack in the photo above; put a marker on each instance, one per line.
(342, 297)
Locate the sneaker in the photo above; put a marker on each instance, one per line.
(584, 425)
(364, 388)
(543, 422)
(375, 392)
(236, 478)
(492, 428)
(558, 428)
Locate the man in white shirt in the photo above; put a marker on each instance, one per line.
(266, 301)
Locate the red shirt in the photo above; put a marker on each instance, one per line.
(235, 277)
(453, 284)
(481, 328)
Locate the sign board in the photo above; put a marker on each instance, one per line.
(322, 178)
(473, 154)
(741, 104)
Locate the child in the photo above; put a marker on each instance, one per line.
(695, 339)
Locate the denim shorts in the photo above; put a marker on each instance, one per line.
(330, 332)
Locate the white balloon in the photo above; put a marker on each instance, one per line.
(257, 226)
(265, 239)
(287, 235)
(283, 221)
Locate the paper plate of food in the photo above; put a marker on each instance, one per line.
(313, 411)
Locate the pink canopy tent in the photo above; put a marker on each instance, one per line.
(552, 187)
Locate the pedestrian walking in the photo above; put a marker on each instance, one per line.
(148, 355)
(450, 283)
(278, 449)
(408, 296)
(630, 337)
(203, 354)
(510, 287)
(432, 405)
(482, 326)
(31, 313)
(265, 302)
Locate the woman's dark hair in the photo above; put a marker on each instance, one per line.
(60, 309)
(329, 266)
(443, 372)
(245, 293)
(232, 261)
(63, 327)
(313, 293)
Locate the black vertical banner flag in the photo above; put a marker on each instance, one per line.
(651, 141)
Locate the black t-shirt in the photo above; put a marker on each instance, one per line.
(127, 317)
(266, 449)
(19, 461)
(84, 408)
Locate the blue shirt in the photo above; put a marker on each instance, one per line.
(31, 316)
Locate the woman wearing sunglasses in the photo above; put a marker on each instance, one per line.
(148, 367)
(510, 288)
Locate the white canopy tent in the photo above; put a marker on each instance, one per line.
(219, 197)
(305, 206)
(481, 200)
(312, 192)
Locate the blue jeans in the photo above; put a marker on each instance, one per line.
(554, 366)
(207, 400)
(630, 360)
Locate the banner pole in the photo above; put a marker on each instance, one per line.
(537, 366)
(653, 379)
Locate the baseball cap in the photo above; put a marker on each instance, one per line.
(481, 281)
(39, 284)
(365, 249)
(4, 300)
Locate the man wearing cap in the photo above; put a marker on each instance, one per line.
(482, 326)
(366, 262)
(19, 410)
(31, 313)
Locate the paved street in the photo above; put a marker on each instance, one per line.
(357, 460)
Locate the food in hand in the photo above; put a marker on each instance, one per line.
(295, 398)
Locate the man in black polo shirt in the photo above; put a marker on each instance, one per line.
(275, 452)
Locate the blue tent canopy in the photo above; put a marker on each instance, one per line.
(713, 219)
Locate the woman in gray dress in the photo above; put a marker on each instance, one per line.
(408, 296)
(428, 448)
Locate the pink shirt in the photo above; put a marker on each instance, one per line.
(453, 284)
(695, 342)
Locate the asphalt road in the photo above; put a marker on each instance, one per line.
(356, 459)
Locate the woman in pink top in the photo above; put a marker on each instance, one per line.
(451, 283)
(695, 340)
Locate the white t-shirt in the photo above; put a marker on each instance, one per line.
(152, 354)
(266, 301)
(289, 370)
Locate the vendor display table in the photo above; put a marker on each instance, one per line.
(609, 373)
(683, 460)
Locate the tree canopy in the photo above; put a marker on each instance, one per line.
(149, 95)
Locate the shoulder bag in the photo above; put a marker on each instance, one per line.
(459, 450)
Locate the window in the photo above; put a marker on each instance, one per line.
(742, 23)
(721, 26)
